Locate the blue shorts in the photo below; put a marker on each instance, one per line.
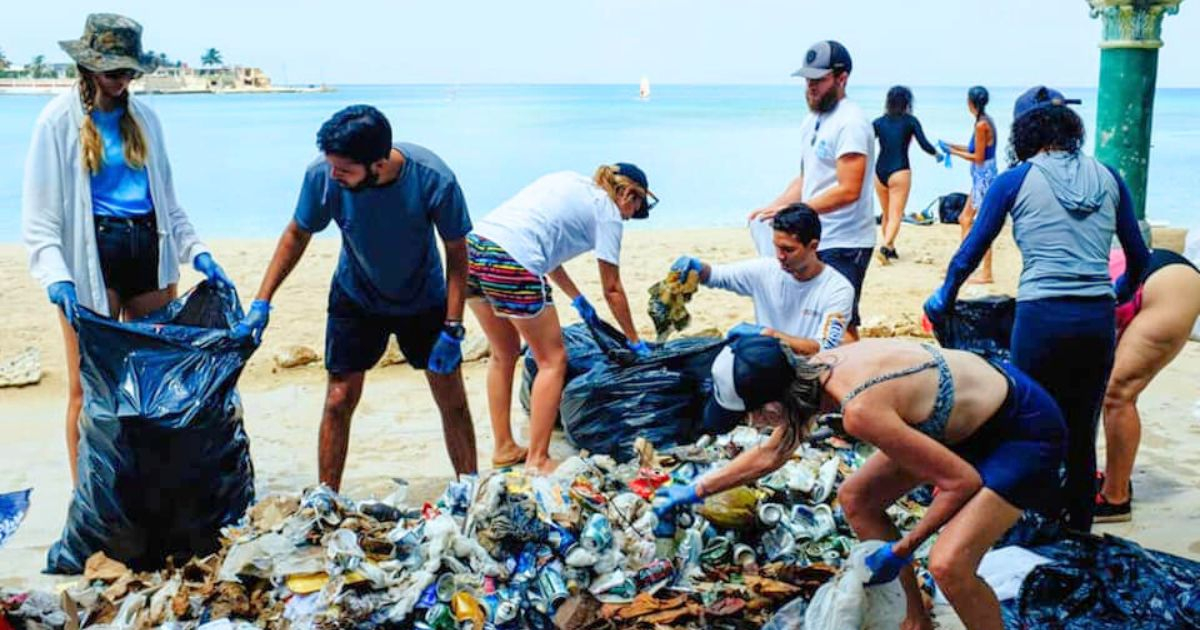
(852, 263)
(1020, 452)
(356, 339)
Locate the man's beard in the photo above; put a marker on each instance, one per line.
(368, 181)
(826, 103)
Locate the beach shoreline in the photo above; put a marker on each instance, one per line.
(396, 431)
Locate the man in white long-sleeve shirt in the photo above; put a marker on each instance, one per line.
(797, 298)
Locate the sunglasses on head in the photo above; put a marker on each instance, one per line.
(122, 73)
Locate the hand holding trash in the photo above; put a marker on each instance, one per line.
(254, 323)
(446, 355)
(744, 329)
(205, 264)
(885, 565)
(936, 308)
(62, 293)
(585, 309)
(685, 264)
(670, 497)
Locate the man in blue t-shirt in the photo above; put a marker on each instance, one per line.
(387, 199)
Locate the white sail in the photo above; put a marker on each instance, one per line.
(644, 90)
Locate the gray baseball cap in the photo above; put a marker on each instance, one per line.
(823, 58)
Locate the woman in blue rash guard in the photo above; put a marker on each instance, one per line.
(893, 175)
(1065, 207)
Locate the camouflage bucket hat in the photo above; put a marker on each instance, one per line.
(110, 42)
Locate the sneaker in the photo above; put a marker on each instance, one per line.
(1106, 512)
(891, 253)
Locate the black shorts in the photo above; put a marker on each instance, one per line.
(128, 250)
(852, 263)
(356, 339)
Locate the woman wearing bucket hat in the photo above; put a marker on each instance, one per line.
(99, 214)
(989, 437)
(1066, 207)
(511, 254)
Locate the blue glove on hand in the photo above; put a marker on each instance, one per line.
(254, 323)
(670, 497)
(639, 348)
(446, 354)
(936, 309)
(684, 264)
(744, 330)
(946, 155)
(885, 565)
(586, 312)
(205, 264)
(1121, 289)
(62, 293)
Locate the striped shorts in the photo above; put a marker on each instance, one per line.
(512, 290)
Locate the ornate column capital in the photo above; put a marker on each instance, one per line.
(1133, 23)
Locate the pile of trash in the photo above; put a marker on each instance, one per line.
(581, 548)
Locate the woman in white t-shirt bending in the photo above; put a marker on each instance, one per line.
(512, 251)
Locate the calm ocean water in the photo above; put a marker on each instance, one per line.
(712, 153)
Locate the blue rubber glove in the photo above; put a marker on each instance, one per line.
(946, 155)
(254, 323)
(744, 330)
(62, 293)
(446, 354)
(936, 309)
(684, 264)
(639, 348)
(586, 312)
(205, 264)
(670, 497)
(1121, 289)
(885, 565)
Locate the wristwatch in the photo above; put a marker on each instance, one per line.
(455, 329)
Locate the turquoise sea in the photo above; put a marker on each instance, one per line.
(712, 153)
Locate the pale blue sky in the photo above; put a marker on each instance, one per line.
(917, 42)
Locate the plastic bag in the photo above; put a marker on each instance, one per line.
(982, 325)
(950, 206)
(164, 461)
(844, 602)
(621, 397)
(13, 506)
(583, 354)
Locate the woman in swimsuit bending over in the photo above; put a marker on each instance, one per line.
(985, 434)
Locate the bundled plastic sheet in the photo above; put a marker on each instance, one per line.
(164, 461)
(982, 325)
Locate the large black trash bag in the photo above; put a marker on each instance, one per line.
(583, 353)
(983, 325)
(164, 461)
(950, 206)
(660, 397)
(1106, 583)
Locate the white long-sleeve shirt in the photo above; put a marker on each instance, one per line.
(56, 206)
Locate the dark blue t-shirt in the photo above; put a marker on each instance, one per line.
(389, 263)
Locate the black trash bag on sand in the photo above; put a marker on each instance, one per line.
(983, 325)
(164, 461)
(619, 397)
(1106, 583)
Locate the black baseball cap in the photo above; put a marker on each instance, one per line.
(638, 176)
(751, 372)
(1040, 97)
(823, 58)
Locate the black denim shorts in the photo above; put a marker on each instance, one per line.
(128, 254)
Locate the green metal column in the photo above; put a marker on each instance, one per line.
(1128, 72)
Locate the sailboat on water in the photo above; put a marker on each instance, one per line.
(644, 89)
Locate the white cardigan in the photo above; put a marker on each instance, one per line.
(56, 205)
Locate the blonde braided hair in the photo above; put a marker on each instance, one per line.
(89, 137)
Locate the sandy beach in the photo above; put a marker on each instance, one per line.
(396, 430)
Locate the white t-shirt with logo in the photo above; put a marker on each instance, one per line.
(824, 138)
(815, 309)
(556, 218)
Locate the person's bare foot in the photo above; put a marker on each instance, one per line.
(540, 468)
(980, 279)
(922, 622)
(509, 456)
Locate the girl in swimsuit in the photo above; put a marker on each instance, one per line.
(985, 434)
(981, 153)
(893, 175)
(1152, 329)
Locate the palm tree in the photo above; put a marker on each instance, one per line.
(3, 60)
(212, 57)
(37, 67)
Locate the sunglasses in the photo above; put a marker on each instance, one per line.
(123, 73)
(649, 201)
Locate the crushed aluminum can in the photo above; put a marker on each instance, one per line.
(744, 555)
(561, 539)
(597, 535)
(445, 587)
(716, 551)
(769, 514)
(778, 542)
(658, 571)
(440, 617)
(552, 586)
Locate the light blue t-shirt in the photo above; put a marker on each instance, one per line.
(118, 190)
(389, 263)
